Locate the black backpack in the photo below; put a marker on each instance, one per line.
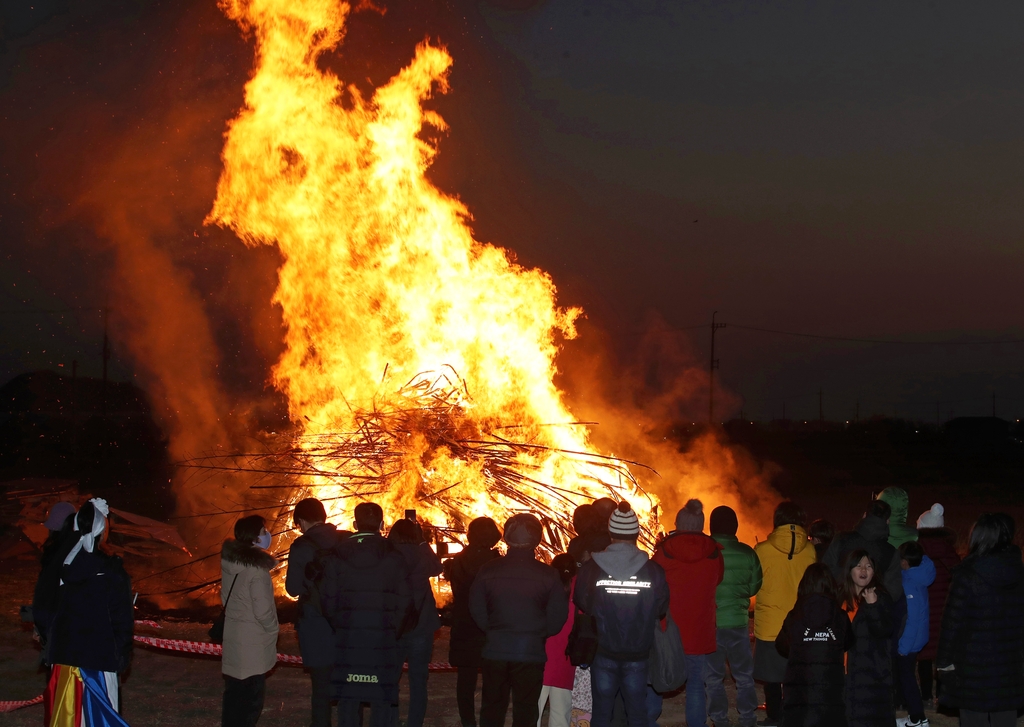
(582, 646)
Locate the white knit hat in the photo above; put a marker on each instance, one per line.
(932, 518)
(623, 523)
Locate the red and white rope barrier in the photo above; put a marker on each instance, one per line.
(11, 706)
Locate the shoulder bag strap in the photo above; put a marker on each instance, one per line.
(228, 600)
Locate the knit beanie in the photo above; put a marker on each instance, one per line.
(932, 518)
(691, 517)
(723, 521)
(483, 532)
(523, 531)
(623, 523)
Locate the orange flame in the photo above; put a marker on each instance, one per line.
(381, 274)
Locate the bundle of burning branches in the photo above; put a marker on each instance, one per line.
(420, 448)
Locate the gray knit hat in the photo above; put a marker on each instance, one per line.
(691, 517)
(523, 531)
(623, 523)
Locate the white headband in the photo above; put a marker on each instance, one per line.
(99, 524)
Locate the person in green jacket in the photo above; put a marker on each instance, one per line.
(899, 532)
(742, 581)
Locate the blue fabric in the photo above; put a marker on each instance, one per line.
(696, 701)
(915, 588)
(607, 678)
(96, 706)
(654, 703)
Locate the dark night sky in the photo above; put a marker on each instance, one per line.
(846, 169)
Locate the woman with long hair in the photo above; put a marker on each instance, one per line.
(869, 661)
(814, 639)
(980, 660)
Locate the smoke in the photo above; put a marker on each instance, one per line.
(640, 401)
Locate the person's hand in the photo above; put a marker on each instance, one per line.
(870, 596)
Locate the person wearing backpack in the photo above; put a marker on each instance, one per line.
(627, 594)
(417, 645)
(367, 600)
(741, 582)
(316, 638)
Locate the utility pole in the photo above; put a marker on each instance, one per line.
(711, 369)
(821, 408)
(106, 357)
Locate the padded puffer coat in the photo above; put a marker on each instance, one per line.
(250, 617)
(940, 545)
(784, 557)
(742, 580)
(869, 666)
(983, 634)
(814, 638)
(899, 532)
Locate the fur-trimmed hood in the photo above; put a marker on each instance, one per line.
(245, 555)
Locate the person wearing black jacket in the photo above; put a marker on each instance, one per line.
(872, 535)
(814, 639)
(869, 698)
(518, 602)
(94, 623)
(366, 598)
(417, 645)
(467, 639)
(626, 593)
(316, 638)
(980, 661)
(60, 522)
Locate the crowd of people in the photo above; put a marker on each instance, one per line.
(849, 629)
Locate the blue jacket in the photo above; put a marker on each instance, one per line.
(915, 588)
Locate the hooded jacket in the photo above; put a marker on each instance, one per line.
(518, 602)
(814, 638)
(784, 557)
(742, 581)
(467, 639)
(250, 616)
(983, 634)
(316, 638)
(693, 567)
(93, 625)
(899, 532)
(626, 593)
(940, 545)
(872, 535)
(915, 588)
(366, 597)
(869, 698)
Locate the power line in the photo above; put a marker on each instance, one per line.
(875, 340)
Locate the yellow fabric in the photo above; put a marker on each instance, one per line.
(64, 713)
(781, 577)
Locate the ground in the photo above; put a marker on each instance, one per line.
(165, 688)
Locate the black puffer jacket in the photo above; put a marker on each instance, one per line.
(467, 639)
(983, 634)
(94, 623)
(316, 638)
(872, 535)
(365, 595)
(869, 666)
(47, 591)
(814, 638)
(422, 564)
(518, 602)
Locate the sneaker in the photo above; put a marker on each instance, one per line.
(907, 722)
(769, 723)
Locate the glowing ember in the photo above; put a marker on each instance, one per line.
(383, 281)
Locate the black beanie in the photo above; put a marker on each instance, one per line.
(723, 521)
(483, 532)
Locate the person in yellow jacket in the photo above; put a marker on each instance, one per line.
(784, 557)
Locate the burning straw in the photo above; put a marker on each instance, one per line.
(391, 456)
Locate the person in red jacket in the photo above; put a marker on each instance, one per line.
(939, 543)
(694, 567)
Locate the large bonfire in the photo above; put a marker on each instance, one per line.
(419, 364)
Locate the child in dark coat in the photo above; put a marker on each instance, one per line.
(814, 638)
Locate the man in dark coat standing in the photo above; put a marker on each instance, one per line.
(316, 638)
(366, 597)
(518, 602)
(872, 535)
(467, 640)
